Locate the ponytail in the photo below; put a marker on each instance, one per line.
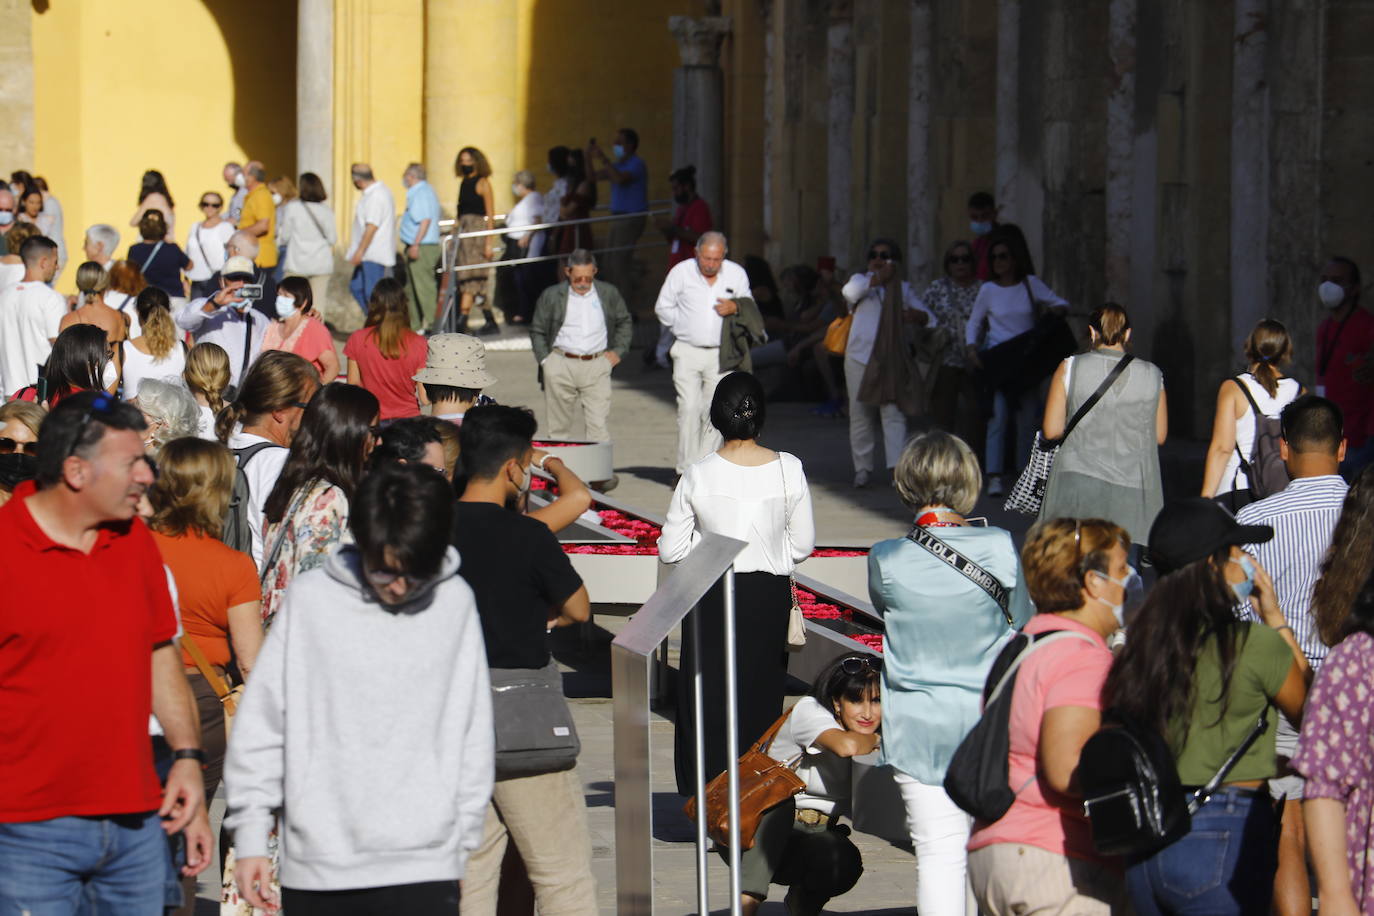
(1268, 349)
(228, 417)
(1110, 323)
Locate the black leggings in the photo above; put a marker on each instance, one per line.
(821, 861)
(431, 897)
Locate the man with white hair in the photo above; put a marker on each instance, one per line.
(372, 240)
(102, 241)
(706, 303)
(420, 245)
(234, 178)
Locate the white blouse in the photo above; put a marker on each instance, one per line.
(718, 496)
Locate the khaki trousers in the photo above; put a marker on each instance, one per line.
(1013, 879)
(696, 373)
(546, 816)
(572, 382)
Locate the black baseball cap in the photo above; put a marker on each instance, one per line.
(1188, 530)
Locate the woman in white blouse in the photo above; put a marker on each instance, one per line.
(757, 495)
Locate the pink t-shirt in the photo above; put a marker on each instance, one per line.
(310, 340)
(389, 379)
(1068, 673)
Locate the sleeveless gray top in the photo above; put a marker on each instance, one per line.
(1116, 441)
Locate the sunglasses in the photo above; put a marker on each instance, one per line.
(9, 446)
(880, 255)
(961, 259)
(857, 663)
(207, 203)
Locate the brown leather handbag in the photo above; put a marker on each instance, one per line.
(763, 784)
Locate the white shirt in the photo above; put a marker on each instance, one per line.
(1233, 477)
(584, 326)
(687, 302)
(746, 503)
(30, 313)
(139, 365)
(827, 774)
(375, 207)
(528, 211)
(1008, 310)
(205, 248)
(229, 328)
(11, 274)
(867, 304)
(307, 231)
(262, 473)
(206, 428)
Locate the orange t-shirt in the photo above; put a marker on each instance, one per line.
(211, 578)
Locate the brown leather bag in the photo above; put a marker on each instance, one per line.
(228, 695)
(763, 784)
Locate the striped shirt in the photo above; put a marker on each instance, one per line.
(1303, 516)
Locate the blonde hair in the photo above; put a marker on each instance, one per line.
(192, 491)
(21, 233)
(1059, 552)
(938, 469)
(284, 186)
(91, 281)
(155, 321)
(1110, 323)
(1268, 347)
(207, 372)
(28, 413)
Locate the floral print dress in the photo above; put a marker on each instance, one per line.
(952, 305)
(316, 521)
(1336, 752)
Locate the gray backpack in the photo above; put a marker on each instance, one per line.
(1264, 466)
(237, 533)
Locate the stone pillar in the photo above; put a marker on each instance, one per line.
(1249, 171)
(1008, 107)
(315, 88)
(698, 105)
(16, 85)
(839, 135)
(1121, 24)
(920, 194)
(771, 248)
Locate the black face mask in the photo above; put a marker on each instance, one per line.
(15, 468)
(683, 198)
(468, 169)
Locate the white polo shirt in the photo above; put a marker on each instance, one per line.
(687, 302)
(377, 207)
(30, 313)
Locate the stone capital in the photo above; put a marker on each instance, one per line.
(698, 39)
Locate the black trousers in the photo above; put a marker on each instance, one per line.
(431, 897)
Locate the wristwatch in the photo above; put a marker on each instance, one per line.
(190, 753)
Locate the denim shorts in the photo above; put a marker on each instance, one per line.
(1225, 863)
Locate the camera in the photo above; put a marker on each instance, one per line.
(250, 291)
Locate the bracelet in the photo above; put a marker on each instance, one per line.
(190, 753)
(544, 459)
(1280, 629)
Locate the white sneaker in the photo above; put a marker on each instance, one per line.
(996, 488)
(860, 480)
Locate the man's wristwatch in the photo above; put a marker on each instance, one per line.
(189, 753)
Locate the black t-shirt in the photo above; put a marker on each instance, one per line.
(518, 572)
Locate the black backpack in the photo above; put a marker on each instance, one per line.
(978, 779)
(237, 533)
(1264, 468)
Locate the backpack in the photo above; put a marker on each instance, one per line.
(237, 533)
(1265, 468)
(978, 779)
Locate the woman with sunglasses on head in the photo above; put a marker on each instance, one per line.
(884, 385)
(1201, 677)
(306, 514)
(1007, 306)
(205, 245)
(953, 396)
(943, 632)
(800, 843)
(1039, 856)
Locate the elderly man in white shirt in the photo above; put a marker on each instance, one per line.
(227, 318)
(372, 239)
(696, 298)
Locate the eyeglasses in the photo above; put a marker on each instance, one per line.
(876, 255)
(857, 663)
(9, 446)
(961, 259)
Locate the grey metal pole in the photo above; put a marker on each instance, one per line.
(699, 750)
(731, 736)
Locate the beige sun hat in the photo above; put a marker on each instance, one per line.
(456, 360)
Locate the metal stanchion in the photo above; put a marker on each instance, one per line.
(731, 734)
(699, 750)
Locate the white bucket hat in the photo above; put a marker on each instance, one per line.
(456, 360)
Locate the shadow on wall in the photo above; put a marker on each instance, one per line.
(261, 38)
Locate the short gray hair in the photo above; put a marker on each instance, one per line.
(418, 170)
(361, 171)
(581, 257)
(106, 236)
(938, 469)
(712, 237)
(171, 409)
(246, 242)
(525, 178)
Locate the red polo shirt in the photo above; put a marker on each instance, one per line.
(76, 637)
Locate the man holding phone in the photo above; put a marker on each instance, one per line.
(706, 303)
(228, 318)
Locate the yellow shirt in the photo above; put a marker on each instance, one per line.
(258, 206)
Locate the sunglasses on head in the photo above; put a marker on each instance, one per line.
(9, 446)
(880, 255)
(857, 663)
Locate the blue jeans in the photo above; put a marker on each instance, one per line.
(95, 866)
(1024, 415)
(1225, 864)
(365, 276)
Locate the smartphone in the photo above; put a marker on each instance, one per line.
(250, 291)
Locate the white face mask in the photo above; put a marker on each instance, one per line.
(517, 191)
(286, 307)
(239, 180)
(276, 198)
(1133, 593)
(1331, 294)
(109, 375)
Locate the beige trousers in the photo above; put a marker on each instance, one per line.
(569, 383)
(546, 816)
(1013, 879)
(696, 373)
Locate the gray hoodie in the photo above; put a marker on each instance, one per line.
(370, 728)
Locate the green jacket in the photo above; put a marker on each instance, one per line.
(552, 309)
(739, 333)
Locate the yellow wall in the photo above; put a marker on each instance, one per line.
(177, 85)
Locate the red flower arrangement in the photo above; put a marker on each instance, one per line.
(547, 445)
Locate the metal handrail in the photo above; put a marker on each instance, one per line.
(447, 224)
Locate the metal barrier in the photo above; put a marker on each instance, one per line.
(632, 655)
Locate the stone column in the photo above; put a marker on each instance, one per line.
(920, 194)
(315, 89)
(698, 105)
(839, 135)
(1008, 107)
(1121, 22)
(1249, 172)
(16, 86)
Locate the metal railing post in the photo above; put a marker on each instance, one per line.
(699, 750)
(731, 733)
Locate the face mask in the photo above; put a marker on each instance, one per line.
(1133, 594)
(276, 198)
(517, 191)
(467, 169)
(286, 307)
(6, 217)
(1331, 294)
(978, 228)
(109, 375)
(1243, 588)
(681, 198)
(619, 151)
(239, 180)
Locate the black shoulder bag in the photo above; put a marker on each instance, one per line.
(976, 574)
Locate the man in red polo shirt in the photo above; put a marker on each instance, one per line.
(86, 617)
